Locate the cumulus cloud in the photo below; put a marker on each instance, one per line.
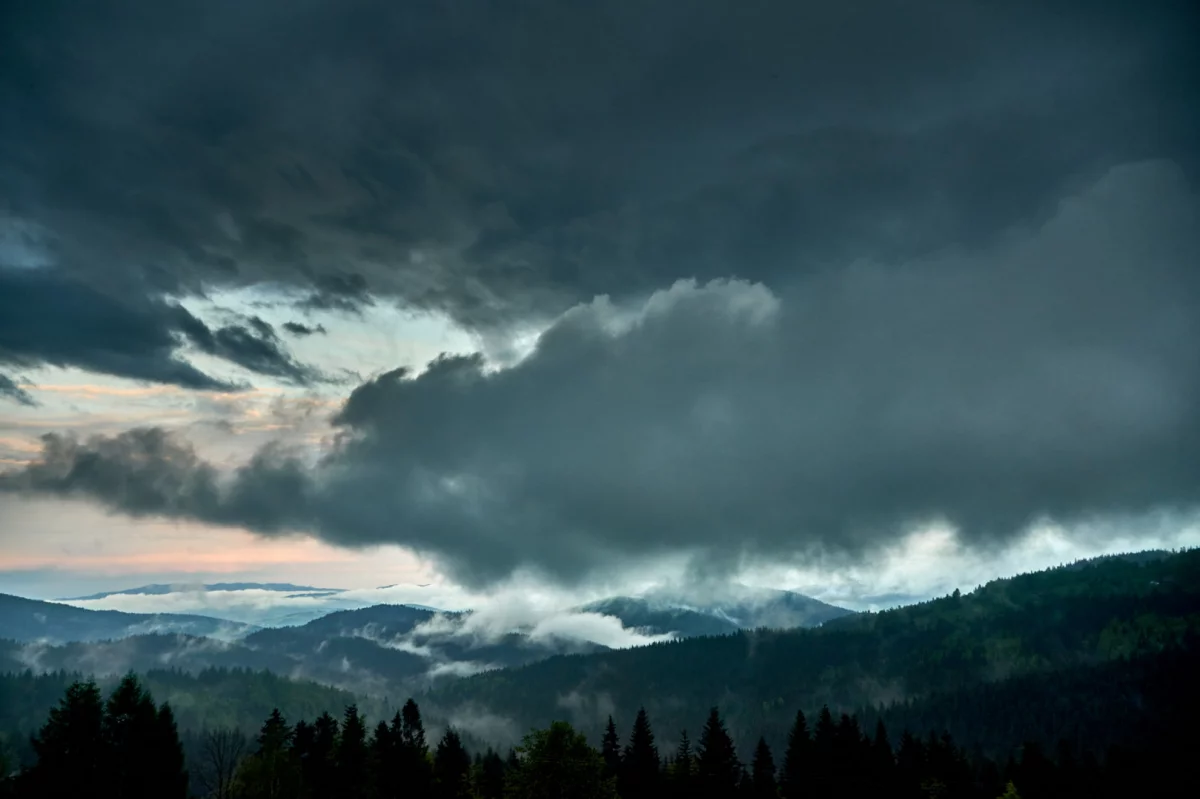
(1053, 375)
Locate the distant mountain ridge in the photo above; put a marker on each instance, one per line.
(28, 620)
(160, 589)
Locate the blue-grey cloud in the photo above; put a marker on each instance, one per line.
(1053, 375)
(500, 160)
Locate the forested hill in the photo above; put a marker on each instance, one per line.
(1061, 619)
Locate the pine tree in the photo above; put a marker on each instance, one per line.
(826, 760)
(762, 772)
(166, 758)
(382, 757)
(272, 771)
(413, 752)
(352, 756)
(71, 754)
(640, 764)
(718, 769)
(883, 763)
(610, 748)
(797, 761)
(451, 768)
(683, 767)
(130, 730)
(318, 759)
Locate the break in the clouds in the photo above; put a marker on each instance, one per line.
(1054, 375)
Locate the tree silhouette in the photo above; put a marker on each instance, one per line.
(610, 748)
(683, 768)
(451, 768)
(71, 756)
(272, 771)
(352, 756)
(639, 773)
(413, 752)
(718, 770)
(797, 761)
(762, 772)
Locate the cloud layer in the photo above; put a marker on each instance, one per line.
(1055, 374)
(500, 160)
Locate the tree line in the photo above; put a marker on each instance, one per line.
(129, 748)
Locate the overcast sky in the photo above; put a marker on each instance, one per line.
(867, 299)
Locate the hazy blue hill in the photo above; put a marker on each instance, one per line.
(34, 620)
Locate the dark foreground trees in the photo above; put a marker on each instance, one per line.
(125, 748)
(128, 748)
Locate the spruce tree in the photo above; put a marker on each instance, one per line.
(883, 763)
(166, 758)
(610, 748)
(451, 768)
(319, 762)
(272, 771)
(413, 752)
(762, 772)
(352, 756)
(826, 761)
(130, 731)
(71, 754)
(382, 757)
(718, 770)
(797, 761)
(683, 767)
(640, 764)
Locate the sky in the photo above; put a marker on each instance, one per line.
(871, 300)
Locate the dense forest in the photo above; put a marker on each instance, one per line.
(129, 748)
(1052, 627)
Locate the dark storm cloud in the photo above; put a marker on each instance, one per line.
(254, 346)
(500, 160)
(301, 329)
(1055, 374)
(48, 318)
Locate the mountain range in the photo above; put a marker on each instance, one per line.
(378, 649)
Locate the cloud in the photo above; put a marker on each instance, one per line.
(48, 318)
(513, 161)
(9, 388)
(300, 329)
(1054, 375)
(255, 347)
